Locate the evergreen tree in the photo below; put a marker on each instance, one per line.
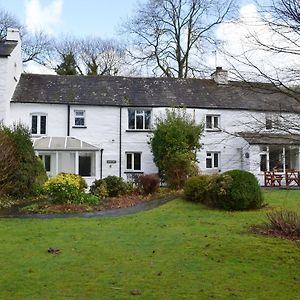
(68, 66)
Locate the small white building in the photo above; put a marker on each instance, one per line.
(98, 126)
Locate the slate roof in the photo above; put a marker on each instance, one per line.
(254, 138)
(7, 47)
(148, 92)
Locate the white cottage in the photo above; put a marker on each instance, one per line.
(98, 126)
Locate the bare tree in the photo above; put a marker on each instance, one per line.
(66, 53)
(35, 47)
(89, 56)
(276, 41)
(102, 57)
(170, 35)
(7, 20)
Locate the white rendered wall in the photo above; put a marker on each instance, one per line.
(11, 68)
(103, 131)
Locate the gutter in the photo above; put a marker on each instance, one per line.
(68, 121)
(120, 143)
(101, 163)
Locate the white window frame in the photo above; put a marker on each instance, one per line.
(39, 115)
(140, 112)
(132, 162)
(213, 122)
(83, 116)
(211, 155)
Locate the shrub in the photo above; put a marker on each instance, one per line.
(131, 188)
(174, 144)
(196, 188)
(244, 192)
(218, 188)
(8, 161)
(115, 186)
(232, 190)
(66, 188)
(99, 189)
(29, 171)
(149, 183)
(90, 199)
(284, 222)
(280, 223)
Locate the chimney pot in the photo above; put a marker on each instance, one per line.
(220, 76)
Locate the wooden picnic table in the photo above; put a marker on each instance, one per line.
(273, 178)
(291, 177)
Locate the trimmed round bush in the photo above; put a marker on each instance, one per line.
(244, 192)
(196, 188)
(66, 188)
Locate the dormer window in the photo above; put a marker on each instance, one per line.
(139, 119)
(38, 124)
(212, 122)
(79, 120)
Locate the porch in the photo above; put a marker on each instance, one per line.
(69, 155)
(274, 158)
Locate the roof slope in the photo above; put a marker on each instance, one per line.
(255, 138)
(148, 92)
(7, 47)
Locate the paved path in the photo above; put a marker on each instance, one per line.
(98, 214)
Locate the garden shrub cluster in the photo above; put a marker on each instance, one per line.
(99, 189)
(232, 190)
(110, 186)
(68, 188)
(148, 183)
(21, 171)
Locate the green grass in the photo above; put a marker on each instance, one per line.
(178, 251)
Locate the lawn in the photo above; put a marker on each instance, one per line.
(178, 251)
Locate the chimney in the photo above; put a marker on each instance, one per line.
(220, 76)
(13, 34)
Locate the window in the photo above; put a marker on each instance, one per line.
(85, 166)
(38, 124)
(79, 120)
(47, 162)
(212, 122)
(133, 161)
(139, 119)
(212, 160)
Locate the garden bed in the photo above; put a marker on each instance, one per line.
(44, 206)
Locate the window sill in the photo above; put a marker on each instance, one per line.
(138, 130)
(36, 135)
(79, 127)
(133, 171)
(212, 130)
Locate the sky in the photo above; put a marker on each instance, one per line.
(103, 18)
(78, 17)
